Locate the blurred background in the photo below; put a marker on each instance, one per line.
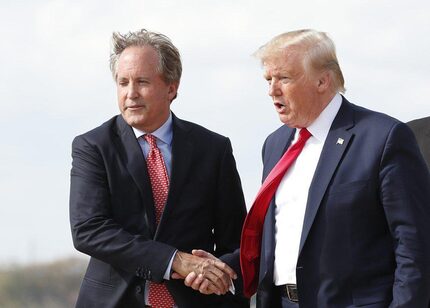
(55, 83)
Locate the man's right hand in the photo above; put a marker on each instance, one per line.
(202, 271)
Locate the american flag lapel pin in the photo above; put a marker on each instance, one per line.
(339, 141)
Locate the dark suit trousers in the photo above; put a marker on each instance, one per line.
(286, 303)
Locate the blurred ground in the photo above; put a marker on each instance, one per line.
(45, 285)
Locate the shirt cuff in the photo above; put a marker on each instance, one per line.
(169, 268)
(231, 288)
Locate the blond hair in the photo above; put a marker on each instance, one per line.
(318, 52)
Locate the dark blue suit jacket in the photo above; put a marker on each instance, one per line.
(366, 236)
(113, 220)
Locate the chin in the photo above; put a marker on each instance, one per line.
(134, 121)
(284, 119)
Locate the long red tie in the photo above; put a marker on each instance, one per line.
(250, 244)
(159, 296)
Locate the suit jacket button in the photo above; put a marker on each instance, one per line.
(138, 289)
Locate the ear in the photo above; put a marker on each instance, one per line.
(173, 90)
(324, 81)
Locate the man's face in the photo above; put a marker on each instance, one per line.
(294, 92)
(143, 96)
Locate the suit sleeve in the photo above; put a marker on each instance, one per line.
(405, 195)
(230, 212)
(94, 230)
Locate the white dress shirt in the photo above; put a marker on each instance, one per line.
(292, 194)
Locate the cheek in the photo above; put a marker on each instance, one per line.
(121, 99)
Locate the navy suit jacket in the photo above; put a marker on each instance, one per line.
(366, 235)
(113, 220)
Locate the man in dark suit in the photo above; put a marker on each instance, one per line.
(347, 224)
(421, 129)
(147, 188)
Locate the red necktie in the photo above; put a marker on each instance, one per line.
(159, 296)
(250, 244)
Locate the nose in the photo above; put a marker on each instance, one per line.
(132, 91)
(274, 89)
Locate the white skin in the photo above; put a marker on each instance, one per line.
(144, 99)
(299, 96)
(200, 281)
(143, 96)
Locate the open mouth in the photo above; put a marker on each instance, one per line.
(279, 106)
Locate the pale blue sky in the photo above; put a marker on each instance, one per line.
(55, 83)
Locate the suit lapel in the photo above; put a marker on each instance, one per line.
(182, 149)
(268, 237)
(268, 244)
(276, 151)
(333, 150)
(132, 156)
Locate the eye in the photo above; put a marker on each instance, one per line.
(142, 81)
(122, 83)
(285, 79)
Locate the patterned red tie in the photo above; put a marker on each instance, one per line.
(250, 244)
(159, 296)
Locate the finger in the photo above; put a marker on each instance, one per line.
(223, 277)
(203, 254)
(215, 275)
(190, 279)
(212, 289)
(218, 278)
(197, 282)
(216, 282)
(208, 288)
(177, 276)
(226, 269)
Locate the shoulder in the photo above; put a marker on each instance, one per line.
(280, 134)
(197, 132)
(377, 130)
(101, 134)
(371, 119)
(370, 124)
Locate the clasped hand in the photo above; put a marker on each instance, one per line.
(203, 272)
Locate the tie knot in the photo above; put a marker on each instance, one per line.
(152, 140)
(304, 134)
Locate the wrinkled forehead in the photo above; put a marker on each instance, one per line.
(285, 61)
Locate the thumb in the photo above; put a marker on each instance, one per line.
(202, 254)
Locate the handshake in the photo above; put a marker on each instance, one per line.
(203, 272)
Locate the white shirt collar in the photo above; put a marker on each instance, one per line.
(321, 126)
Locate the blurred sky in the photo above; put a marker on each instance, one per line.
(55, 84)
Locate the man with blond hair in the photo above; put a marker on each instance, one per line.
(148, 187)
(342, 217)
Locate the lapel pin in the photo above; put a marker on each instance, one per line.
(339, 141)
